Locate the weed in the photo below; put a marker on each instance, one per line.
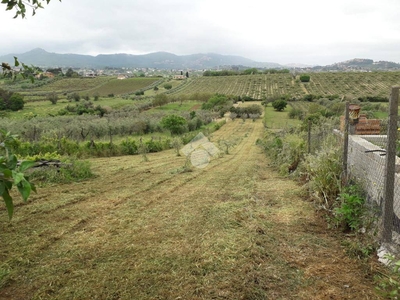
(350, 209)
(177, 145)
(71, 170)
(324, 172)
(388, 285)
(143, 149)
(3, 275)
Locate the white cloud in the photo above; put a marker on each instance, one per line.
(311, 31)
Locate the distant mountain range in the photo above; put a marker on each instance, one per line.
(164, 60)
(159, 60)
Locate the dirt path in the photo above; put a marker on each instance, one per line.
(233, 230)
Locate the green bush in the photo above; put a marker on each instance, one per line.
(11, 101)
(296, 114)
(324, 169)
(129, 147)
(305, 78)
(279, 105)
(216, 103)
(175, 124)
(285, 149)
(72, 170)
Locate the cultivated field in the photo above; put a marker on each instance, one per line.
(148, 230)
(352, 85)
(125, 86)
(102, 86)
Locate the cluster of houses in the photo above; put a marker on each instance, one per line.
(120, 73)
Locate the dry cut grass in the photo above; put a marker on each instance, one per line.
(148, 230)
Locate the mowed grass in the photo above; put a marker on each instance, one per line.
(148, 230)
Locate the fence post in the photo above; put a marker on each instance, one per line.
(390, 166)
(345, 144)
(309, 137)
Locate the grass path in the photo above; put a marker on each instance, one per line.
(233, 230)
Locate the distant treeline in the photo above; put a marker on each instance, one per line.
(244, 72)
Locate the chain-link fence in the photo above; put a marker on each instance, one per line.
(370, 158)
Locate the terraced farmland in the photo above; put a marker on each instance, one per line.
(272, 85)
(255, 86)
(102, 86)
(125, 86)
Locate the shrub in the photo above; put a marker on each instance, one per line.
(175, 124)
(324, 170)
(167, 86)
(305, 78)
(76, 97)
(72, 170)
(11, 101)
(160, 100)
(218, 102)
(309, 97)
(16, 102)
(286, 150)
(53, 98)
(279, 105)
(252, 109)
(296, 113)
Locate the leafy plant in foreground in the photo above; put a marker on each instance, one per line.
(388, 286)
(350, 210)
(11, 173)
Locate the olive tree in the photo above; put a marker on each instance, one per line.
(279, 105)
(175, 124)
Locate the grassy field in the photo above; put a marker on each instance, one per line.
(278, 120)
(148, 230)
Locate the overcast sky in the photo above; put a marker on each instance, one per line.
(282, 31)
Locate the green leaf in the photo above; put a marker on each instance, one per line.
(2, 187)
(16, 62)
(24, 189)
(8, 184)
(33, 187)
(9, 203)
(7, 173)
(18, 177)
(25, 165)
(12, 162)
